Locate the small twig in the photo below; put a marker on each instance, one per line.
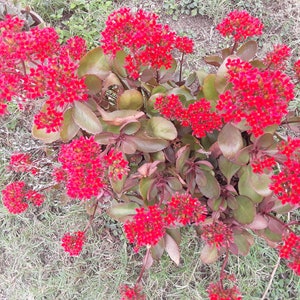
(271, 279)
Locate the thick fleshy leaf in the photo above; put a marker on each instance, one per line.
(227, 168)
(242, 243)
(175, 234)
(244, 186)
(258, 223)
(85, 118)
(212, 188)
(130, 99)
(230, 141)
(172, 249)
(209, 90)
(144, 186)
(162, 128)
(209, 254)
(260, 183)
(221, 80)
(120, 117)
(42, 135)
(266, 141)
(121, 211)
(117, 185)
(94, 62)
(144, 143)
(271, 235)
(174, 183)
(201, 75)
(181, 157)
(213, 60)
(158, 250)
(69, 128)
(131, 128)
(118, 63)
(93, 83)
(245, 212)
(247, 51)
(215, 204)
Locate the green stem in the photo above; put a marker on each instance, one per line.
(144, 265)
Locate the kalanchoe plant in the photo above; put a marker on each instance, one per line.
(159, 151)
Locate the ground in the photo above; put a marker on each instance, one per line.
(32, 262)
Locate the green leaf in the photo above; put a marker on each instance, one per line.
(85, 118)
(144, 186)
(245, 212)
(245, 188)
(144, 143)
(230, 141)
(93, 83)
(172, 249)
(209, 254)
(247, 51)
(242, 243)
(162, 128)
(213, 60)
(158, 250)
(69, 128)
(94, 62)
(181, 157)
(120, 117)
(42, 135)
(175, 234)
(130, 99)
(227, 168)
(121, 211)
(209, 90)
(118, 63)
(212, 188)
(260, 183)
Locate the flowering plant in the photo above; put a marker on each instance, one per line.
(156, 149)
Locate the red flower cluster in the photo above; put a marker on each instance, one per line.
(262, 164)
(146, 42)
(291, 250)
(198, 115)
(84, 168)
(217, 234)
(286, 184)
(277, 58)
(52, 70)
(73, 243)
(146, 228)
(259, 96)
(240, 25)
(184, 210)
(217, 292)
(297, 68)
(135, 293)
(118, 166)
(22, 162)
(15, 197)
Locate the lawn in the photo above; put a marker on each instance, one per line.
(33, 265)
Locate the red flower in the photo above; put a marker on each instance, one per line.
(297, 68)
(146, 228)
(13, 197)
(73, 243)
(240, 25)
(84, 168)
(22, 162)
(36, 198)
(217, 292)
(259, 96)
(118, 166)
(184, 209)
(290, 250)
(146, 42)
(135, 293)
(286, 184)
(277, 58)
(218, 234)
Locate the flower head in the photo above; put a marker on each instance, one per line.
(240, 25)
(277, 58)
(217, 292)
(146, 228)
(134, 293)
(184, 209)
(73, 243)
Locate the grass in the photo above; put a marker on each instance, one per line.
(32, 262)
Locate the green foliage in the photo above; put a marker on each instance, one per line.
(74, 17)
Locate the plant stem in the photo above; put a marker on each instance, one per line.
(233, 47)
(281, 222)
(144, 265)
(222, 272)
(91, 217)
(180, 68)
